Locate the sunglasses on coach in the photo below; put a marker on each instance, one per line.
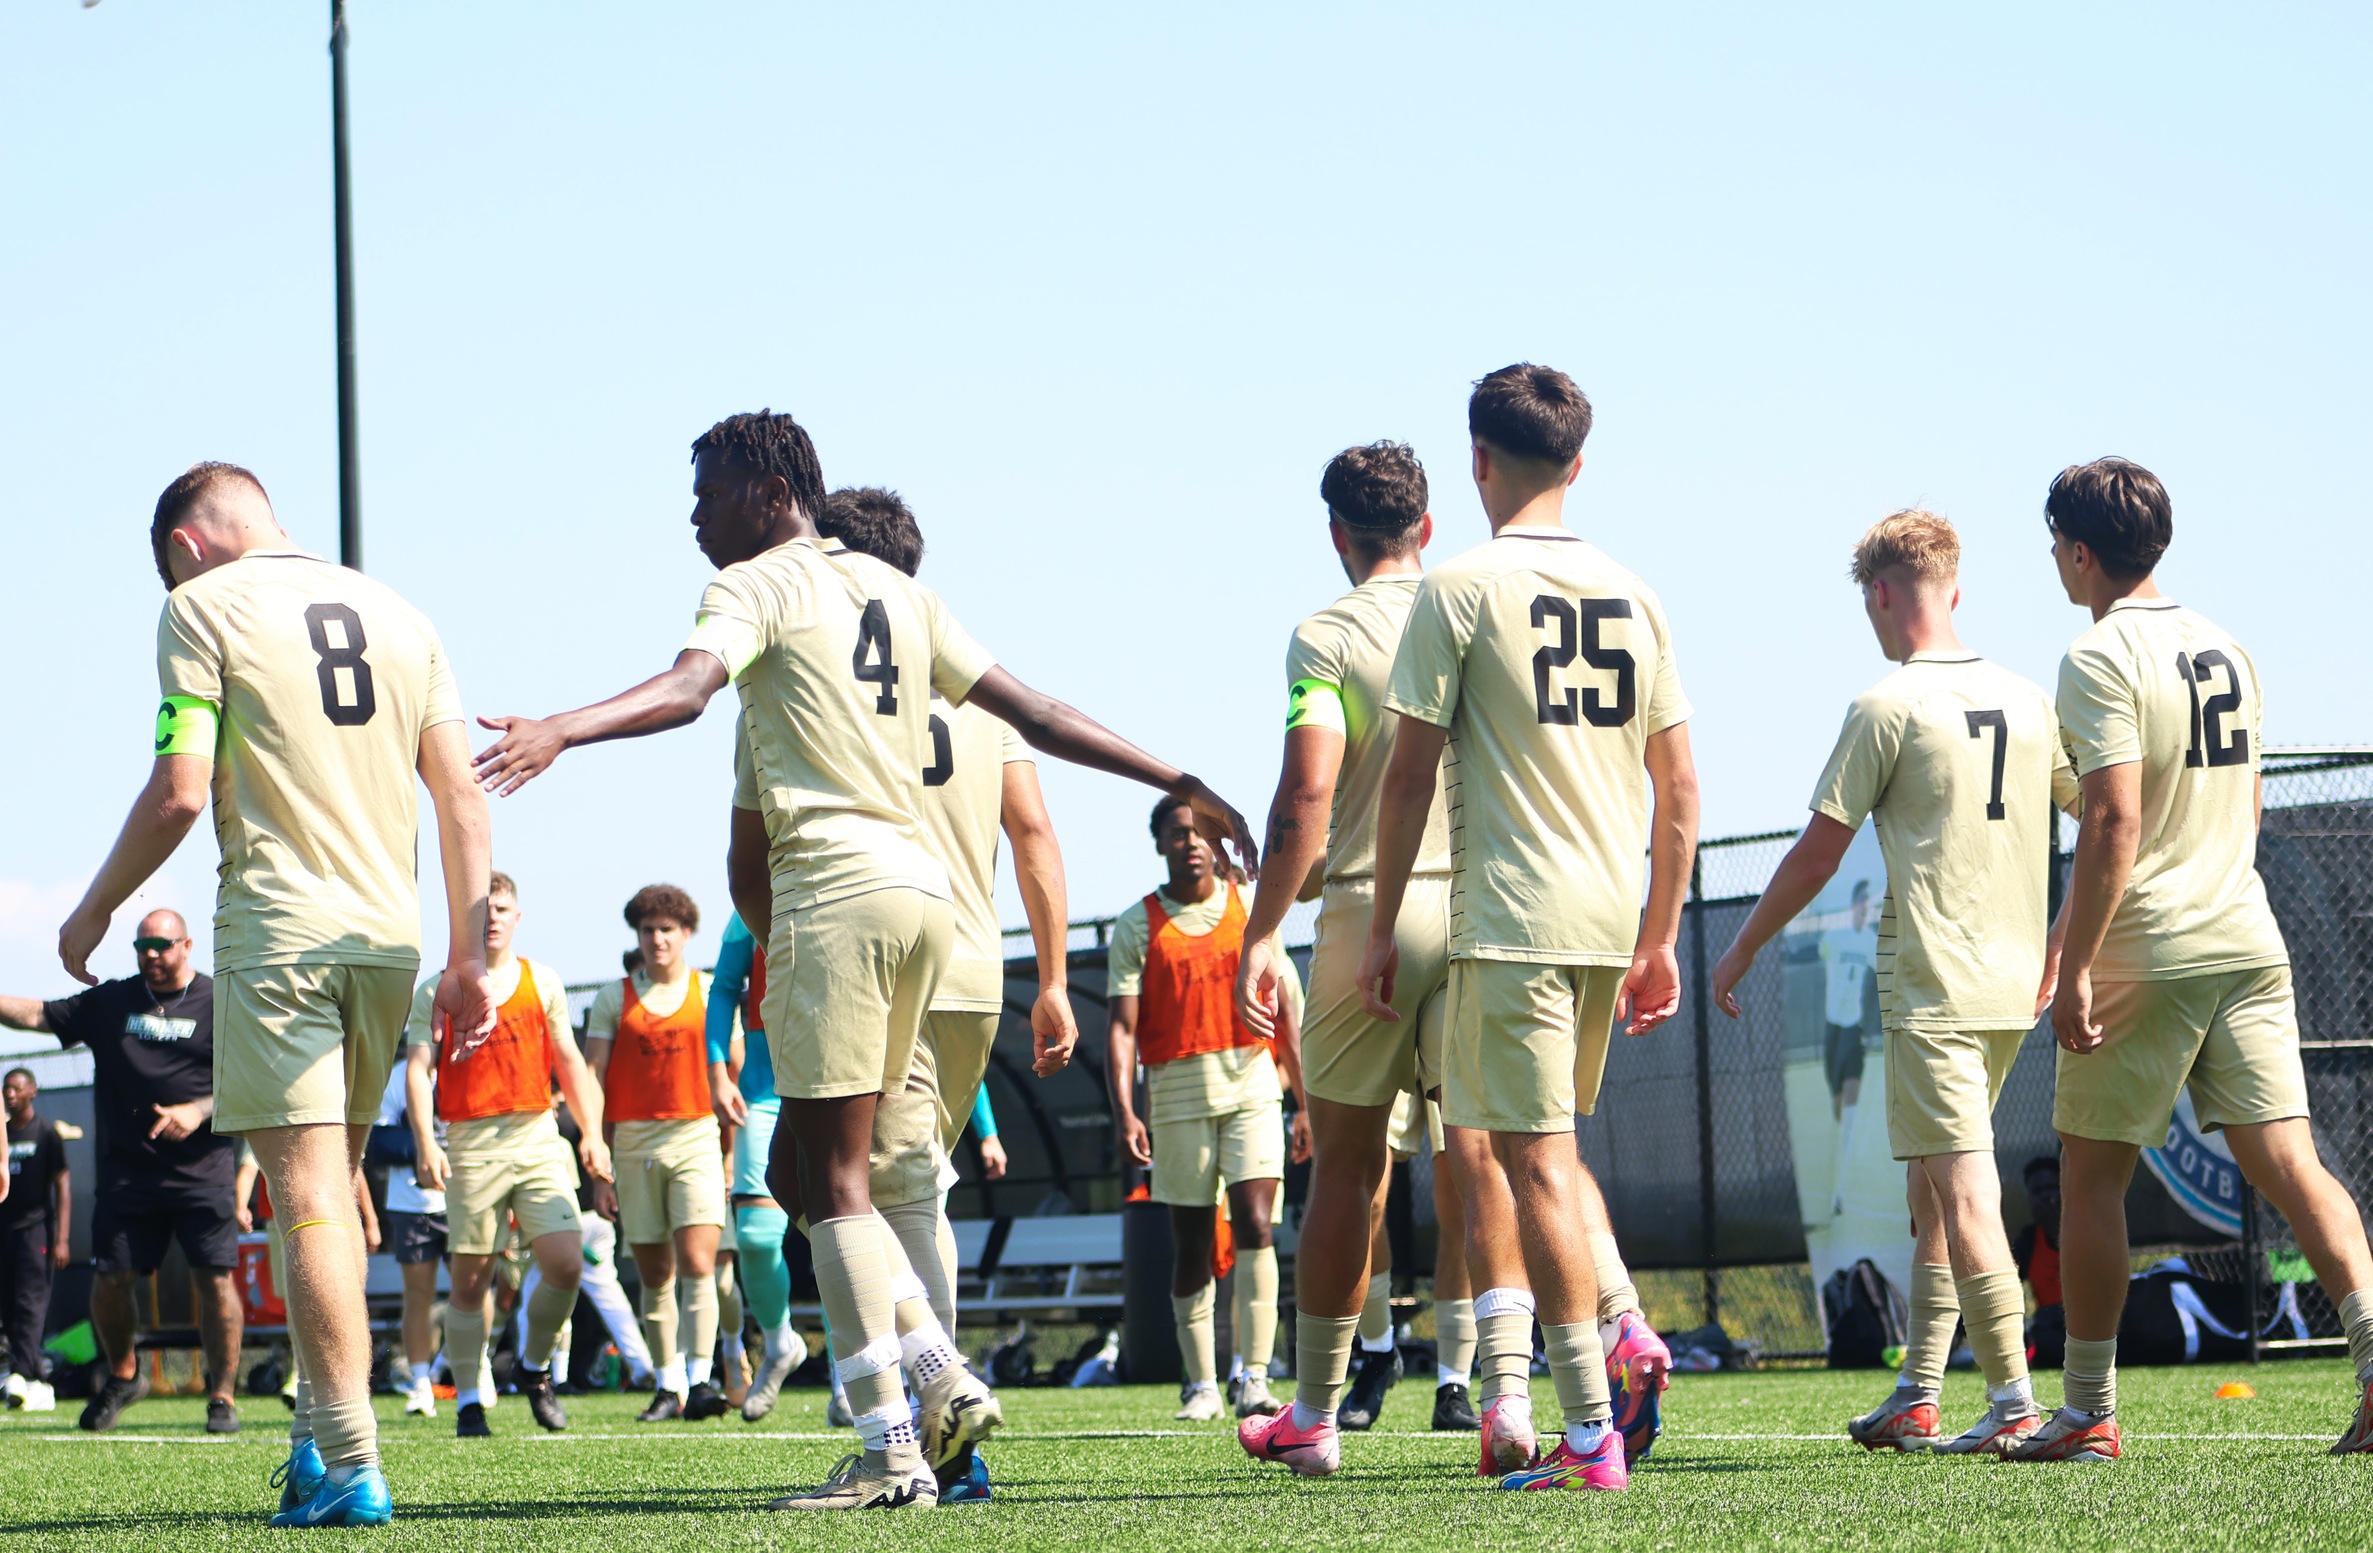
(153, 945)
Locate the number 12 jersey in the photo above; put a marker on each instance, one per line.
(310, 686)
(1550, 665)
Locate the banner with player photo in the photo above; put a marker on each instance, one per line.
(1849, 1188)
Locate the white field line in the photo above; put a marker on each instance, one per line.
(656, 1437)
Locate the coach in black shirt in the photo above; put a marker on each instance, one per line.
(163, 1174)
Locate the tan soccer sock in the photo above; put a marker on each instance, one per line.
(853, 1278)
(696, 1304)
(1454, 1341)
(1579, 1367)
(300, 1422)
(1376, 1314)
(346, 1433)
(1255, 1307)
(465, 1345)
(917, 1227)
(1936, 1309)
(730, 1315)
(547, 1312)
(1191, 1314)
(1322, 1358)
(660, 1326)
(2356, 1319)
(1504, 1345)
(1615, 1292)
(2089, 1376)
(1995, 1313)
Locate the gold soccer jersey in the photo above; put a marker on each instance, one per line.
(318, 684)
(1959, 762)
(963, 803)
(1551, 666)
(836, 656)
(2154, 683)
(1336, 671)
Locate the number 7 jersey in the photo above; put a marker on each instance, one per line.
(310, 687)
(2155, 683)
(1550, 665)
(836, 656)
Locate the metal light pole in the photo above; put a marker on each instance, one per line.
(350, 478)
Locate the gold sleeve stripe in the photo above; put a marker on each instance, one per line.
(1314, 703)
(186, 725)
(730, 642)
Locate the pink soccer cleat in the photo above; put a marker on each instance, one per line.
(1509, 1443)
(1566, 1467)
(1639, 1367)
(1313, 1453)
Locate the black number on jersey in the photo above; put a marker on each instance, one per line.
(348, 656)
(1979, 722)
(943, 754)
(1566, 709)
(2209, 747)
(873, 640)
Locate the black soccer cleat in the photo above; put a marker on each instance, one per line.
(705, 1401)
(665, 1405)
(221, 1417)
(1454, 1409)
(1365, 1400)
(107, 1404)
(469, 1422)
(542, 1401)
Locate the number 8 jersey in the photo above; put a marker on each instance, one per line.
(309, 686)
(836, 656)
(2155, 683)
(1551, 666)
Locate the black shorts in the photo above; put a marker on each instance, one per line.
(128, 1234)
(413, 1237)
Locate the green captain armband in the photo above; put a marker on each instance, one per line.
(731, 642)
(186, 725)
(1314, 703)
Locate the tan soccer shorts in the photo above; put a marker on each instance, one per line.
(2232, 1036)
(907, 1163)
(503, 1166)
(960, 1040)
(847, 984)
(1941, 1089)
(1527, 1043)
(306, 1045)
(1349, 1056)
(1416, 1123)
(1196, 1159)
(670, 1175)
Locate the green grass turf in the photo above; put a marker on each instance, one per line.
(1106, 1470)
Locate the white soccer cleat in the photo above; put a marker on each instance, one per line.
(1198, 1404)
(420, 1403)
(860, 1483)
(958, 1413)
(1994, 1434)
(1253, 1399)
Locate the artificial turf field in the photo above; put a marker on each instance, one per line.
(1749, 1460)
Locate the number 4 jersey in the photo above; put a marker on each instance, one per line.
(836, 656)
(1959, 763)
(309, 686)
(2156, 684)
(1551, 666)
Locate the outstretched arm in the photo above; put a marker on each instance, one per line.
(1809, 865)
(166, 808)
(1070, 734)
(24, 1014)
(530, 744)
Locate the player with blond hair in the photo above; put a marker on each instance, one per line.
(1958, 764)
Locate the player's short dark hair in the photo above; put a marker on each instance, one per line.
(500, 883)
(875, 522)
(1164, 810)
(181, 497)
(1378, 493)
(2040, 1165)
(2115, 508)
(763, 443)
(665, 902)
(1530, 412)
(24, 1073)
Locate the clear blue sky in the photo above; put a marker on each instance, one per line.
(1100, 289)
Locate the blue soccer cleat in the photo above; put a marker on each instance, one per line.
(359, 1501)
(970, 1487)
(299, 1477)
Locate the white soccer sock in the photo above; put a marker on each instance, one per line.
(671, 1376)
(697, 1369)
(779, 1340)
(420, 1377)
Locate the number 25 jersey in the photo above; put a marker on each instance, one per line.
(1551, 666)
(836, 655)
(2155, 683)
(310, 686)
